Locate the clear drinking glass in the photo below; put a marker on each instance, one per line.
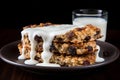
(95, 17)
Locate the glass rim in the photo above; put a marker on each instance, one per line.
(93, 11)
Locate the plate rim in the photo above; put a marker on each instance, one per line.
(54, 68)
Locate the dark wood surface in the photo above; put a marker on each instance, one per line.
(11, 72)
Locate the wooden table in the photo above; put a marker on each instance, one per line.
(11, 72)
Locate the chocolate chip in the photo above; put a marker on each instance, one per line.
(37, 58)
(70, 35)
(38, 38)
(97, 32)
(87, 38)
(72, 50)
(90, 48)
(86, 62)
(52, 48)
(59, 40)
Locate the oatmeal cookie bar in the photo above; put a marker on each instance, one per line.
(75, 47)
(75, 60)
(77, 35)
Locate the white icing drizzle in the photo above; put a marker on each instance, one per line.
(32, 52)
(22, 56)
(47, 34)
(98, 59)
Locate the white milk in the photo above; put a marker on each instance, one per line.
(99, 22)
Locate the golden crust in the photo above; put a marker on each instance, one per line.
(74, 48)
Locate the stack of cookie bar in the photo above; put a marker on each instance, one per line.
(75, 47)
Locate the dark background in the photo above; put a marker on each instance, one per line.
(19, 14)
(16, 14)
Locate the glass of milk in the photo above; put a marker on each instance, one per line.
(95, 17)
